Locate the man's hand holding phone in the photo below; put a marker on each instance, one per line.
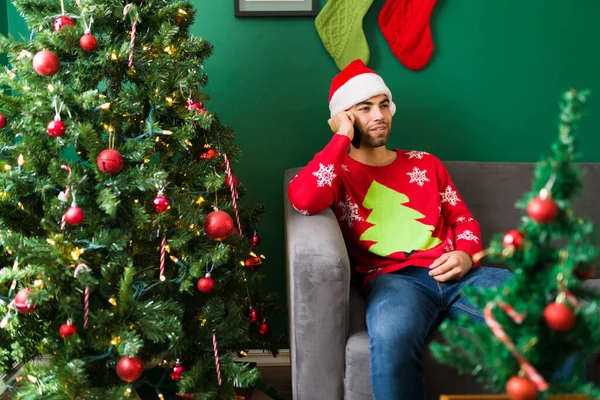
(342, 124)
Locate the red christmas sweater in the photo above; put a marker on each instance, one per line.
(406, 213)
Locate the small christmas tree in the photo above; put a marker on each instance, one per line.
(123, 245)
(543, 315)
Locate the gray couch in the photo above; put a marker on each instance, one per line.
(328, 338)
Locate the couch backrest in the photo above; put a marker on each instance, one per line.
(490, 190)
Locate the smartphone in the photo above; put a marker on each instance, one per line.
(357, 137)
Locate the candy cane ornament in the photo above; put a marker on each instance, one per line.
(86, 295)
(133, 32)
(233, 192)
(216, 352)
(530, 371)
(64, 196)
(163, 246)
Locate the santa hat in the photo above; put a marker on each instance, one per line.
(354, 84)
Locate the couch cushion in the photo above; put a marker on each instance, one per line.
(439, 379)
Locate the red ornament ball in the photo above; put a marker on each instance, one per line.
(585, 274)
(513, 238)
(2, 121)
(521, 389)
(130, 369)
(207, 153)
(61, 22)
(559, 317)
(88, 42)
(46, 63)
(253, 262)
(110, 161)
(206, 284)
(252, 315)
(22, 303)
(541, 210)
(56, 128)
(176, 371)
(161, 203)
(74, 216)
(255, 240)
(67, 329)
(264, 328)
(218, 225)
(193, 106)
(236, 181)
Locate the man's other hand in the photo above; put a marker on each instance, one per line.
(451, 266)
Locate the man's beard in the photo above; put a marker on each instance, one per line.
(374, 141)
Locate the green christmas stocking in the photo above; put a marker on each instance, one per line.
(339, 25)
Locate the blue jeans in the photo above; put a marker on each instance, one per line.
(402, 309)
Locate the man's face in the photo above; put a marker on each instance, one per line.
(374, 119)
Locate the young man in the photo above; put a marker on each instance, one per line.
(409, 234)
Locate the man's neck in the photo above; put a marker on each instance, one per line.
(375, 157)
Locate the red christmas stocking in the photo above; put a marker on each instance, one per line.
(405, 26)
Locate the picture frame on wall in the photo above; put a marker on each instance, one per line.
(276, 8)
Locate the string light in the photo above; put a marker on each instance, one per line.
(50, 88)
(7, 167)
(128, 392)
(113, 56)
(164, 132)
(20, 160)
(116, 341)
(105, 106)
(38, 282)
(112, 301)
(76, 253)
(50, 241)
(169, 100)
(10, 74)
(200, 200)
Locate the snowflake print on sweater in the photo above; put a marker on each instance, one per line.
(416, 154)
(349, 211)
(325, 175)
(449, 196)
(303, 212)
(468, 235)
(418, 176)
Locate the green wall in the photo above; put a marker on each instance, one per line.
(3, 27)
(490, 92)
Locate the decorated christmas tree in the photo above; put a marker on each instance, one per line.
(126, 258)
(544, 316)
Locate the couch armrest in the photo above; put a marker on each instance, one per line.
(318, 278)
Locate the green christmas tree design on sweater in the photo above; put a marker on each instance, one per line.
(395, 226)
